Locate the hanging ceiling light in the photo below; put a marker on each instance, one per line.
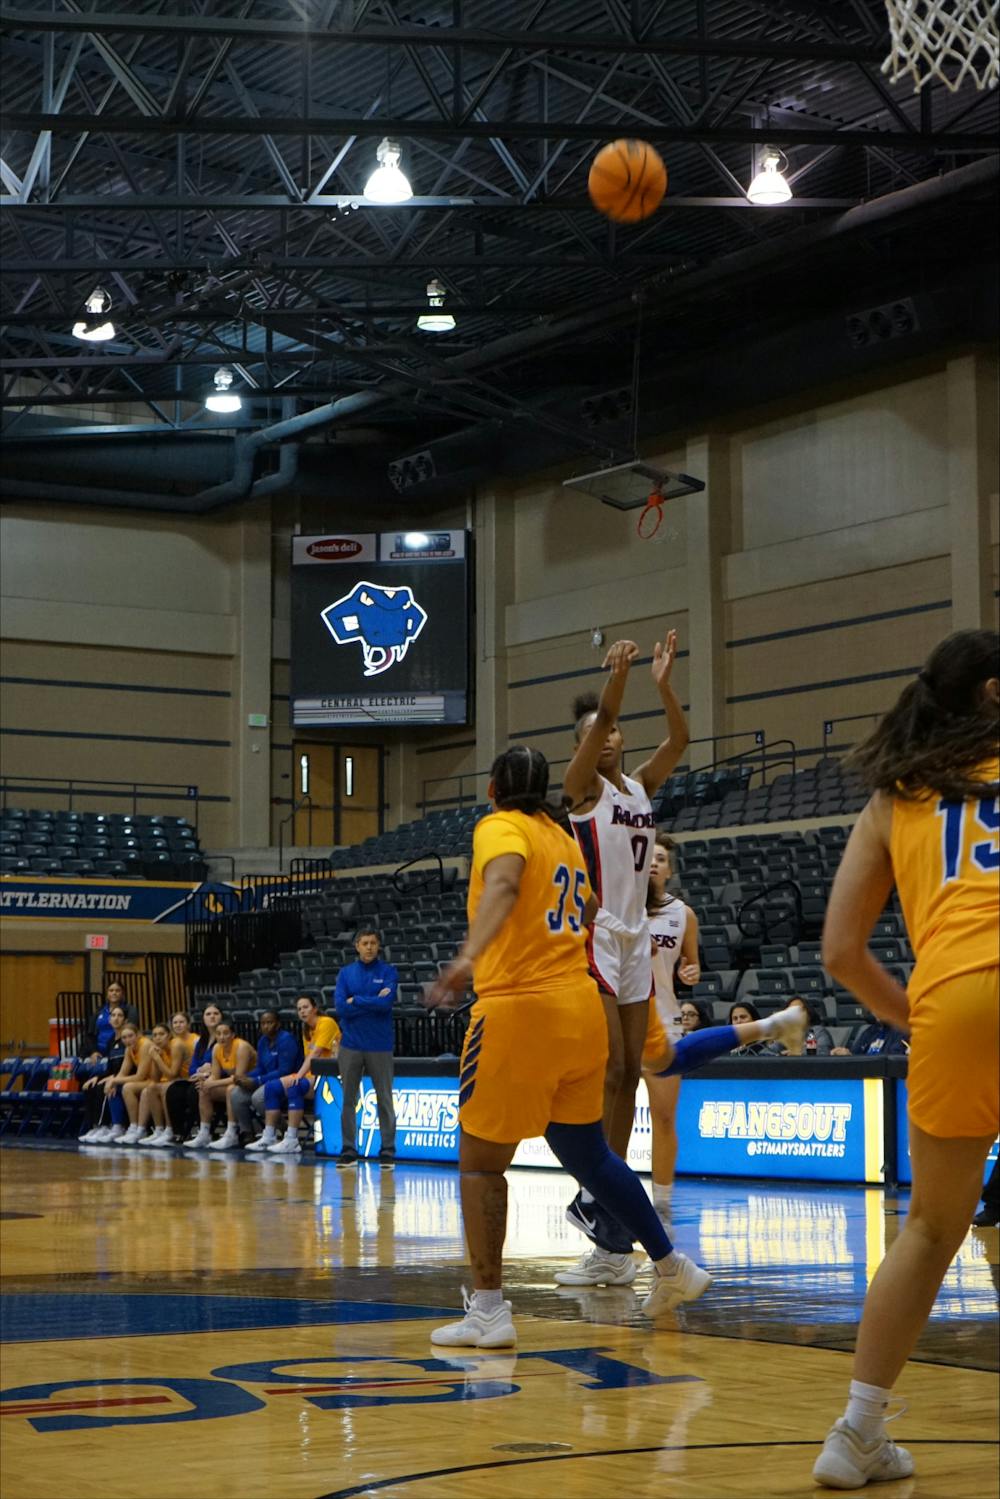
(437, 320)
(222, 398)
(769, 186)
(388, 184)
(95, 327)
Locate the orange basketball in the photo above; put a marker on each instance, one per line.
(627, 181)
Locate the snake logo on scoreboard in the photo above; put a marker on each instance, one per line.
(385, 621)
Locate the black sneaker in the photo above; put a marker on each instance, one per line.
(347, 1158)
(387, 1158)
(988, 1218)
(581, 1215)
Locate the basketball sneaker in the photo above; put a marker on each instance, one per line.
(200, 1140)
(264, 1140)
(599, 1268)
(229, 1141)
(582, 1216)
(685, 1282)
(789, 1027)
(132, 1135)
(478, 1328)
(111, 1134)
(288, 1145)
(847, 1462)
(156, 1138)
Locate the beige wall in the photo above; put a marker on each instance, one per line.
(836, 560)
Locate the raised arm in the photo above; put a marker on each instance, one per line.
(859, 893)
(654, 771)
(580, 780)
(501, 887)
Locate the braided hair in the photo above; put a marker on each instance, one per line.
(943, 729)
(520, 779)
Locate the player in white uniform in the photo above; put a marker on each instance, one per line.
(612, 817)
(673, 927)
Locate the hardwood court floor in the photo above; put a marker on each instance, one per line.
(179, 1327)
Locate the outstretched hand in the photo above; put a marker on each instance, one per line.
(620, 657)
(450, 985)
(664, 657)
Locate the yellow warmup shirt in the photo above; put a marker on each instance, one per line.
(324, 1036)
(185, 1045)
(542, 944)
(946, 859)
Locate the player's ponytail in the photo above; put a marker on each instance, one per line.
(584, 705)
(944, 728)
(520, 778)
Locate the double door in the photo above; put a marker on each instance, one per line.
(338, 792)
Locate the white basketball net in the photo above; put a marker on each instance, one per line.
(950, 40)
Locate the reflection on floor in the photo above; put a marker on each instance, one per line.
(148, 1289)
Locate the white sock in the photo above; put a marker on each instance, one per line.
(269, 1132)
(662, 1195)
(866, 1408)
(669, 1265)
(488, 1301)
(585, 1196)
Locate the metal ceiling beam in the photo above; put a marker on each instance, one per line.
(781, 134)
(269, 202)
(493, 40)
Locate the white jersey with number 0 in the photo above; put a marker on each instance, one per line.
(616, 838)
(667, 925)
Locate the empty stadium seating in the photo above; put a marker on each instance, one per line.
(98, 845)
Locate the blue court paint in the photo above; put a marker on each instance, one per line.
(36, 1318)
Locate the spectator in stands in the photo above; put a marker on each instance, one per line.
(878, 1039)
(364, 997)
(97, 1103)
(98, 1036)
(696, 1015)
(181, 1096)
(818, 1041)
(152, 1104)
(321, 1035)
(278, 1053)
(153, 1066)
(745, 1013)
(230, 1055)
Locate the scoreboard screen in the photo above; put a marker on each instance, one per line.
(380, 628)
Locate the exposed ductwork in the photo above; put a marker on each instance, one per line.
(549, 430)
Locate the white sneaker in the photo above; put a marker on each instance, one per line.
(132, 1135)
(229, 1141)
(154, 1138)
(478, 1329)
(685, 1283)
(599, 1268)
(264, 1141)
(90, 1137)
(789, 1027)
(163, 1138)
(201, 1140)
(287, 1146)
(111, 1134)
(847, 1462)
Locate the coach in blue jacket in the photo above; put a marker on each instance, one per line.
(365, 994)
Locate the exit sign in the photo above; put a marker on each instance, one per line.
(97, 942)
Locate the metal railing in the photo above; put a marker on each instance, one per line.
(472, 778)
(768, 921)
(829, 724)
(418, 859)
(136, 791)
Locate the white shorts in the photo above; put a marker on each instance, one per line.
(622, 964)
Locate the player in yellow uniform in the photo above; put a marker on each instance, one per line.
(932, 827)
(537, 1046)
(321, 1038)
